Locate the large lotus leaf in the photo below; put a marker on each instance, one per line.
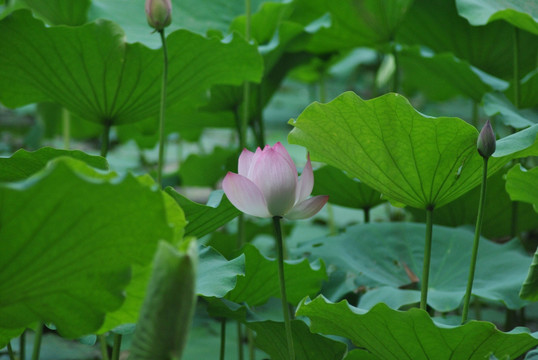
(271, 338)
(384, 142)
(205, 170)
(166, 315)
(443, 76)
(497, 216)
(523, 185)
(193, 15)
(203, 219)
(116, 82)
(260, 281)
(347, 24)
(217, 276)
(60, 12)
(391, 254)
(528, 90)
(437, 25)
(529, 290)
(521, 14)
(343, 190)
(69, 237)
(498, 104)
(22, 164)
(391, 334)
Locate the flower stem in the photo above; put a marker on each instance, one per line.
(366, 215)
(37, 342)
(104, 347)
(222, 338)
(474, 254)
(251, 347)
(66, 128)
(22, 345)
(427, 257)
(240, 352)
(396, 78)
(105, 143)
(10, 351)
(285, 308)
(117, 347)
(163, 107)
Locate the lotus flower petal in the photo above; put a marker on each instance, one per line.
(245, 195)
(245, 160)
(305, 183)
(277, 180)
(278, 147)
(307, 208)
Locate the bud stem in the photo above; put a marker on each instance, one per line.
(474, 254)
(427, 257)
(285, 308)
(163, 106)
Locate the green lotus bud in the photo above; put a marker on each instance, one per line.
(486, 141)
(159, 13)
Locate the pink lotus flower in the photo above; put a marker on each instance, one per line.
(267, 185)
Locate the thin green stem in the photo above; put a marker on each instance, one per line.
(251, 347)
(10, 351)
(104, 347)
(366, 215)
(475, 114)
(281, 277)
(474, 254)
(222, 338)
(396, 77)
(22, 345)
(117, 347)
(246, 86)
(66, 128)
(240, 351)
(427, 257)
(37, 342)
(516, 67)
(330, 220)
(105, 142)
(162, 140)
(260, 133)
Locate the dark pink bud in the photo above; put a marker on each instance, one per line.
(486, 141)
(159, 13)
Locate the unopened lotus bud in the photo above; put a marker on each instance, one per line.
(486, 141)
(159, 13)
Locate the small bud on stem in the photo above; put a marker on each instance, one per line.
(159, 13)
(486, 141)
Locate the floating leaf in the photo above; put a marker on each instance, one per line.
(271, 338)
(203, 219)
(69, 208)
(523, 15)
(165, 317)
(523, 185)
(391, 255)
(22, 164)
(343, 190)
(410, 158)
(391, 334)
(120, 82)
(260, 281)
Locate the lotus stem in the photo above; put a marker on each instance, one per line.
(105, 143)
(22, 345)
(117, 347)
(474, 254)
(66, 128)
(222, 338)
(37, 342)
(160, 164)
(366, 215)
(251, 347)
(104, 347)
(285, 308)
(10, 351)
(427, 257)
(240, 352)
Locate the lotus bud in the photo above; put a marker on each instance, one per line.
(267, 185)
(159, 13)
(486, 141)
